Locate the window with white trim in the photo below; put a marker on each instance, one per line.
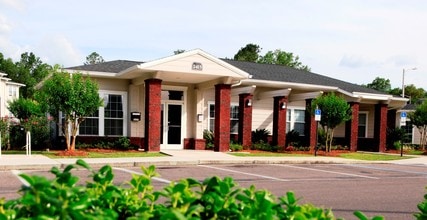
(295, 120)
(13, 91)
(409, 130)
(110, 119)
(234, 117)
(90, 126)
(363, 125)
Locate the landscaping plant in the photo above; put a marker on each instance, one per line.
(63, 197)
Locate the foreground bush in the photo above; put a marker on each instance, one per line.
(214, 198)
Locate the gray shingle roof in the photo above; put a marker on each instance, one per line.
(409, 107)
(258, 71)
(115, 66)
(287, 74)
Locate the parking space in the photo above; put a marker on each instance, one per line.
(377, 189)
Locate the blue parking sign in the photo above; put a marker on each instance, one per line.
(317, 114)
(403, 114)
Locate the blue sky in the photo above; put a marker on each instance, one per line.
(352, 40)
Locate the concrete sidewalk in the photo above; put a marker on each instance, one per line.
(181, 157)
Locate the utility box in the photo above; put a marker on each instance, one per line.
(135, 116)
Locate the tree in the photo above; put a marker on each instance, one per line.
(94, 58)
(248, 53)
(251, 53)
(414, 94)
(72, 94)
(178, 51)
(380, 84)
(23, 108)
(30, 70)
(419, 120)
(284, 58)
(335, 110)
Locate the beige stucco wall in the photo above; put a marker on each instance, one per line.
(112, 84)
(136, 104)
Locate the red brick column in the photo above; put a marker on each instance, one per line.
(310, 130)
(153, 109)
(245, 120)
(380, 127)
(222, 117)
(279, 121)
(352, 127)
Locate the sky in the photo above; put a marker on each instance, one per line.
(352, 40)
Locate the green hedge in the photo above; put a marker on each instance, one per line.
(63, 197)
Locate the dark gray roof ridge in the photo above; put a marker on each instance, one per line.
(114, 66)
(274, 72)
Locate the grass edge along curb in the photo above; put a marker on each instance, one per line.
(214, 198)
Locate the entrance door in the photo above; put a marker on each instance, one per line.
(171, 137)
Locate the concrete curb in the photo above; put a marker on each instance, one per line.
(179, 158)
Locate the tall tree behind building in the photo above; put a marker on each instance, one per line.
(251, 53)
(29, 70)
(94, 58)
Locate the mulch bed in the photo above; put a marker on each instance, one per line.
(333, 153)
(85, 152)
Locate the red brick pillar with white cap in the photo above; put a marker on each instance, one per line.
(222, 117)
(153, 110)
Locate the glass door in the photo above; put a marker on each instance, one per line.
(171, 136)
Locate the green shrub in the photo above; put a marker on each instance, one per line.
(293, 138)
(260, 136)
(63, 197)
(236, 147)
(123, 143)
(396, 135)
(264, 146)
(422, 207)
(209, 137)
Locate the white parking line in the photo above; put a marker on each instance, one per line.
(244, 173)
(386, 169)
(139, 173)
(325, 171)
(17, 173)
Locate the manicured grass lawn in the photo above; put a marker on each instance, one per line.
(373, 156)
(356, 156)
(19, 152)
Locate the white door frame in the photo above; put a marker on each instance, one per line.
(183, 104)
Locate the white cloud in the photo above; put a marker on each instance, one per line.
(357, 61)
(14, 4)
(58, 49)
(5, 25)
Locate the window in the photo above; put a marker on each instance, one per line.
(13, 91)
(295, 120)
(113, 115)
(90, 126)
(110, 119)
(363, 125)
(234, 118)
(408, 127)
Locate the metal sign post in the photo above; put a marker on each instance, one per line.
(402, 123)
(28, 147)
(317, 118)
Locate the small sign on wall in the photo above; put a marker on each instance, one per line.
(197, 66)
(135, 116)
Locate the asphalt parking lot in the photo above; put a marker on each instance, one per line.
(390, 190)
